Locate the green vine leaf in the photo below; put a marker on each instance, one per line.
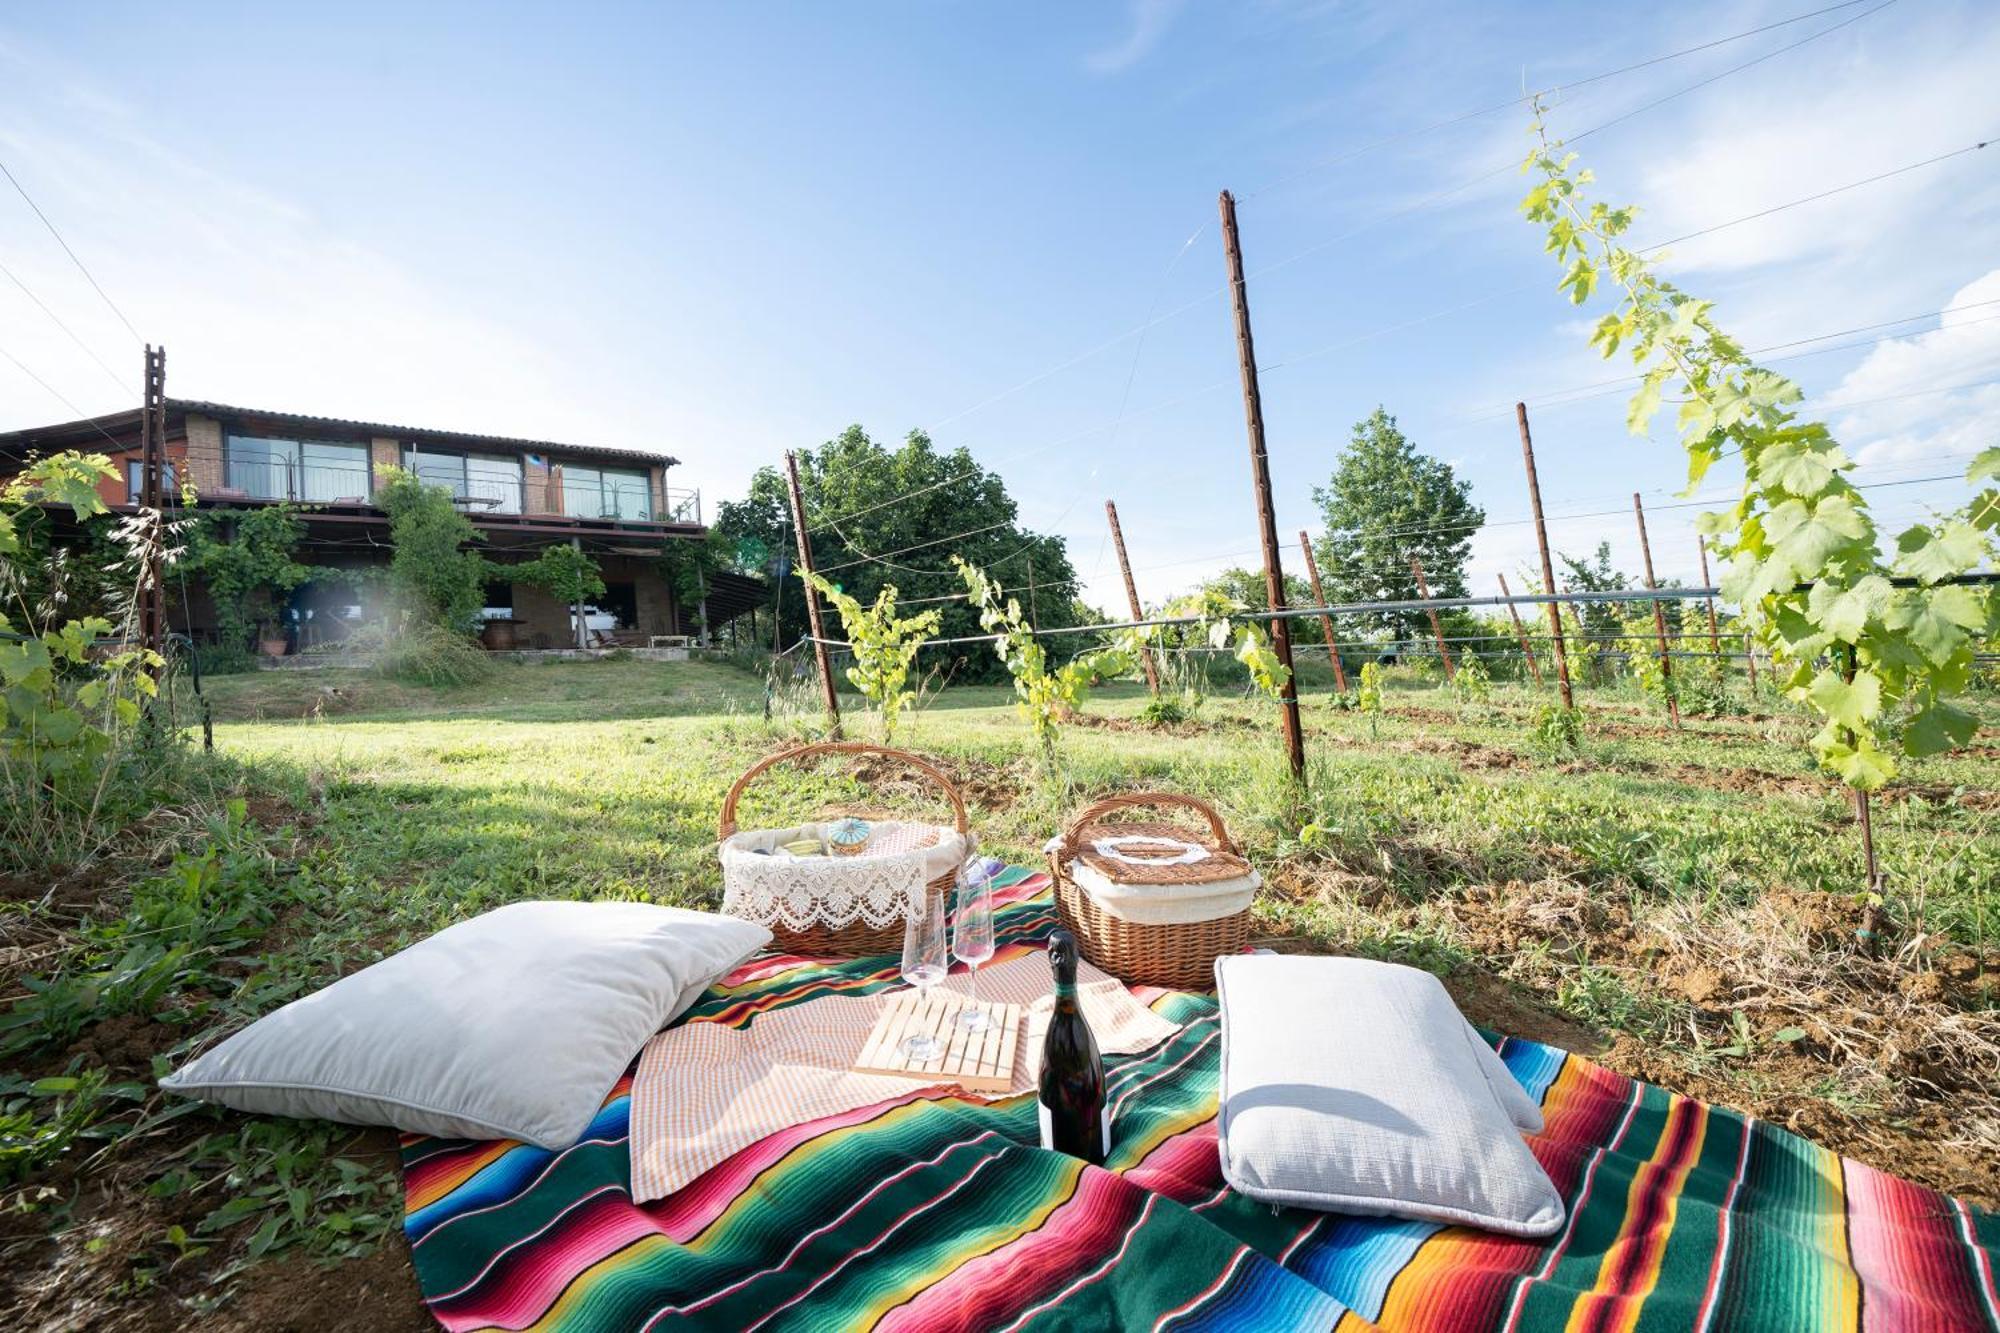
(1930, 555)
(1851, 703)
(1797, 466)
(1937, 727)
(1940, 623)
(1807, 538)
(1844, 613)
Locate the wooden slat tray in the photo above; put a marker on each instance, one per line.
(976, 1061)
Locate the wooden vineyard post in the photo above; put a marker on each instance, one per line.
(1437, 626)
(1132, 596)
(1260, 475)
(827, 694)
(1519, 632)
(1325, 620)
(1714, 631)
(1548, 566)
(153, 498)
(1659, 616)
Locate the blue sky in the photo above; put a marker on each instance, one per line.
(722, 231)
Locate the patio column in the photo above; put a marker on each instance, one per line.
(582, 634)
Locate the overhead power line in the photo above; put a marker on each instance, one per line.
(57, 321)
(1524, 99)
(59, 396)
(1177, 311)
(80, 268)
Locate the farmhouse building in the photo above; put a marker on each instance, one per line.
(522, 496)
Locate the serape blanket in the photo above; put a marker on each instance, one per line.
(938, 1212)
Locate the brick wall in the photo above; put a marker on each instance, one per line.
(204, 447)
(382, 452)
(544, 487)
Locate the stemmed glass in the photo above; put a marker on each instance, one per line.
(972, 937)
(925, 962)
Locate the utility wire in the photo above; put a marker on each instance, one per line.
(59, 397)
(1526, 98)
(20, 190)
(1419, 205)
(57, 321)
(1397, 327)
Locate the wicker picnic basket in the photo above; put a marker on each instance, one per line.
(1140, 881)
(944, 848)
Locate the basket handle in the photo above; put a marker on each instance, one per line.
(1090, 814)
(797, 752)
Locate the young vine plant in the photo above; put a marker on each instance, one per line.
(1877, 648)
(884, 646)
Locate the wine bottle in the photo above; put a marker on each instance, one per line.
(1075, 1117)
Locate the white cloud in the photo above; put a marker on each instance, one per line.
(1150, 20)
(1887, 409)
(258, 301)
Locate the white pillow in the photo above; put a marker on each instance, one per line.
(1355, 1086)
(513, 1025)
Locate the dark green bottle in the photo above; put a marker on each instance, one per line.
(1075, 1118)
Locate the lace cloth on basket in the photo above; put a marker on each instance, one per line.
(798, 893)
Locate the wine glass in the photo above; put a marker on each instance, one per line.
(924, 964)
(972, 937)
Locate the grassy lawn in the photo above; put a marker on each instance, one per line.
(1680, 905)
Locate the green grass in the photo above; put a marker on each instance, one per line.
(1441, 835)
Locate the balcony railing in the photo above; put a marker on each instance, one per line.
(476, 493)
(310, 483)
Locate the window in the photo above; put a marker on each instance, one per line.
(606, 492)
(315, 471)
(491, 482)
(135, 481)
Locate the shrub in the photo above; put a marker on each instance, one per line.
(434, 656)
(1557, 730)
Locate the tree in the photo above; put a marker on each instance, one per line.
(245, 557)
(900, 506)
(1594, 574)
(1386, 503)
(1248, 587)
(439, 579)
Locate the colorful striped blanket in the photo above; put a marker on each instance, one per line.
(936, 1212)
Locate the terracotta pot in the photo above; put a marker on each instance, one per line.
(498, 635)
(271, 647)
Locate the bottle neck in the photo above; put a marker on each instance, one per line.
(1066, 993)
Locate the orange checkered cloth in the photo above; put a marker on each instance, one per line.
(705, 1090)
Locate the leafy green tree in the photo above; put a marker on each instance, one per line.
(1594, 574)
(690, 567)
(439, 578)
(246, 557)
(1247, 588)
(1386, 503)
(863, 499)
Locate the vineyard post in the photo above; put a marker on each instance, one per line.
(153, 497)
(1260, 472)
(1715, 633)
(1548, 566)
(1437, 627)
(1519, 632)
(1132, 596)
(1325, 620)
(827, 695)
(1659, 616)
(1750, 659)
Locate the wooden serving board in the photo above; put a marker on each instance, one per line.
(975, 1061)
